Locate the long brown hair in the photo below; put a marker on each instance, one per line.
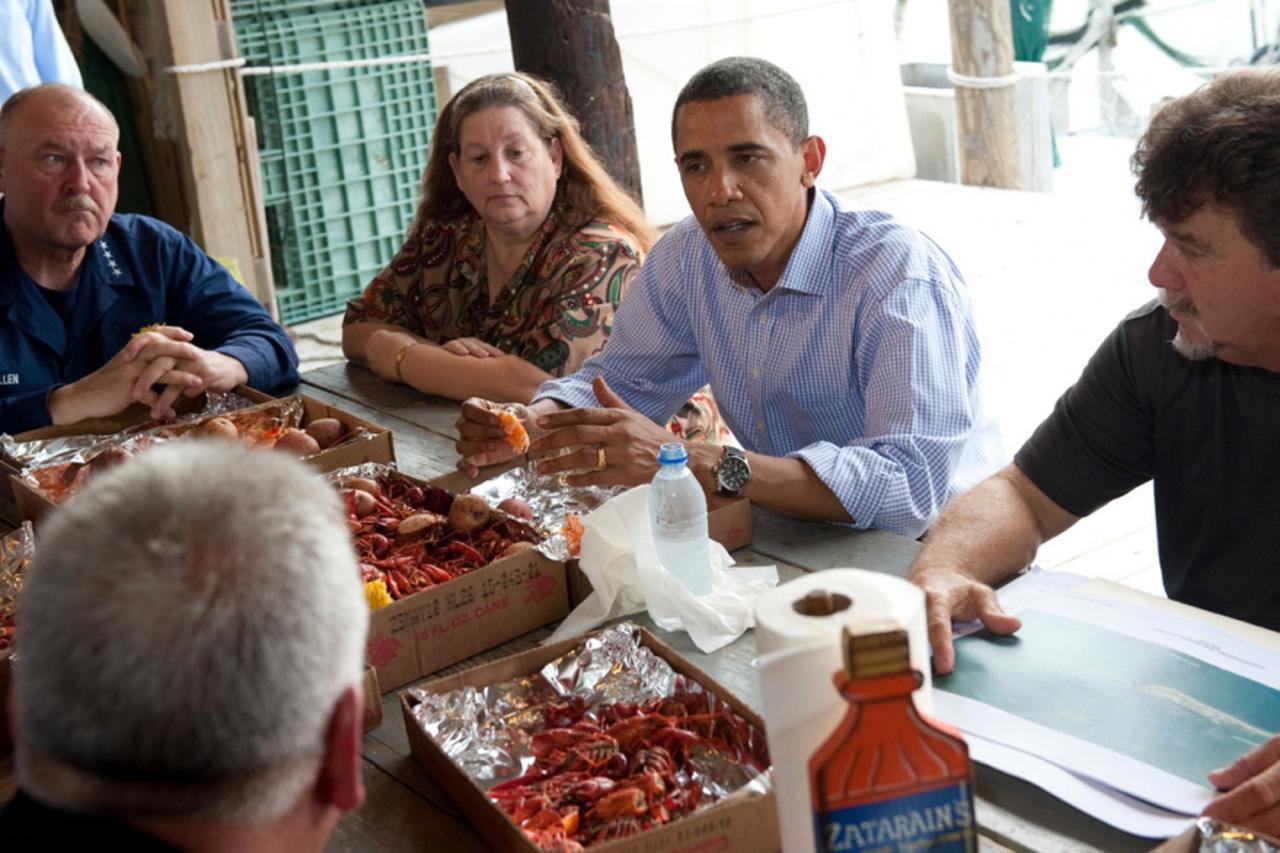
(584, 187)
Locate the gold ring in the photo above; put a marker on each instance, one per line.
(600, 460)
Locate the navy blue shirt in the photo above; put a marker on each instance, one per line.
(139, 272)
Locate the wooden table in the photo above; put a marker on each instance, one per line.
(406, 810)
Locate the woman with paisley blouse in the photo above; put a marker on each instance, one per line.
(521, 249)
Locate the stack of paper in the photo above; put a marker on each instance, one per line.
(1115, 701)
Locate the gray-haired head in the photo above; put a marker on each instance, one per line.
(784, 102)
(189, 623)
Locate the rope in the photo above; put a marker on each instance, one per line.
(958, 79)
(202, 67)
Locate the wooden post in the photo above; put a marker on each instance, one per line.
(982, 47)
(205, 113)
(571, 43)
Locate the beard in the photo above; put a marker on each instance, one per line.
(1202, 349)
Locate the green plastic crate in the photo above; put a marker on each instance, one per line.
(246, 9)
(342, 151)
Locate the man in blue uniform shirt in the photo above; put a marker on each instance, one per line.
(100, 310)
(839, 343)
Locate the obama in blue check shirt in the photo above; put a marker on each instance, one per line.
(839, 344)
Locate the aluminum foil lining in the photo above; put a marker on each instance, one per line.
(16, 551)
(65, 475)
(46, 451)
(1219, 837)
(487, 731)
(259, 425)
(550, 498)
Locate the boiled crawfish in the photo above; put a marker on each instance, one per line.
(436, 553)
(621, 768)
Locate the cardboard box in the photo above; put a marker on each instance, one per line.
(739, 822)
(132, 416)
(728, 522)
(441, 625)
(377, 446)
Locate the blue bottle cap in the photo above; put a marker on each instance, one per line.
(672, 454)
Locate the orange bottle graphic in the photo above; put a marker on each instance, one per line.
(889, 778)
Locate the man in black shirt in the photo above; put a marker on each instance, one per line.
(190, 655)
(1185, 392)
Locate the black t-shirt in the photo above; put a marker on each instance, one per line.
(1207, 433)
(28, 824)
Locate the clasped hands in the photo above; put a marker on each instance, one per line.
(613, 445)
(157, 356)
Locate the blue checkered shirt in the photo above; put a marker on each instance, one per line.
(862, 360)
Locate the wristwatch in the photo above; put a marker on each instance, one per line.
(732, 472)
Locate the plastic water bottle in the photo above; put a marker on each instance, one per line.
(678, 518)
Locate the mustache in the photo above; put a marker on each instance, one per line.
(77, 202)
(1182, 306)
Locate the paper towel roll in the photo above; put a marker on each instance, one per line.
(798, 656)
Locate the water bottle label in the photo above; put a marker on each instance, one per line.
(940, 820)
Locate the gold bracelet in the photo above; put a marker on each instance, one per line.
(400, 357)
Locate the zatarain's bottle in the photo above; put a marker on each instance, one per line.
(889, 778)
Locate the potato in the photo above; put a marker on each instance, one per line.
(416, 526)
(219, 428)
(298, 442)
(363, 484)
(326, 431)
(469, 513)
(516, 548)
(517, 508)
(361, 503)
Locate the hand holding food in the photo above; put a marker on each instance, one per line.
(514, 432)
(483, 434)
(613, 444)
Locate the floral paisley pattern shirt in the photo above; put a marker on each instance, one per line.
(555, 311)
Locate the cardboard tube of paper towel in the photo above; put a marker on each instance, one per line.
(799, 654)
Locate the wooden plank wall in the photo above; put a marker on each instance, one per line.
(201, 151)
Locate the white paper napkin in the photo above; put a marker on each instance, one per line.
(619, 559)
